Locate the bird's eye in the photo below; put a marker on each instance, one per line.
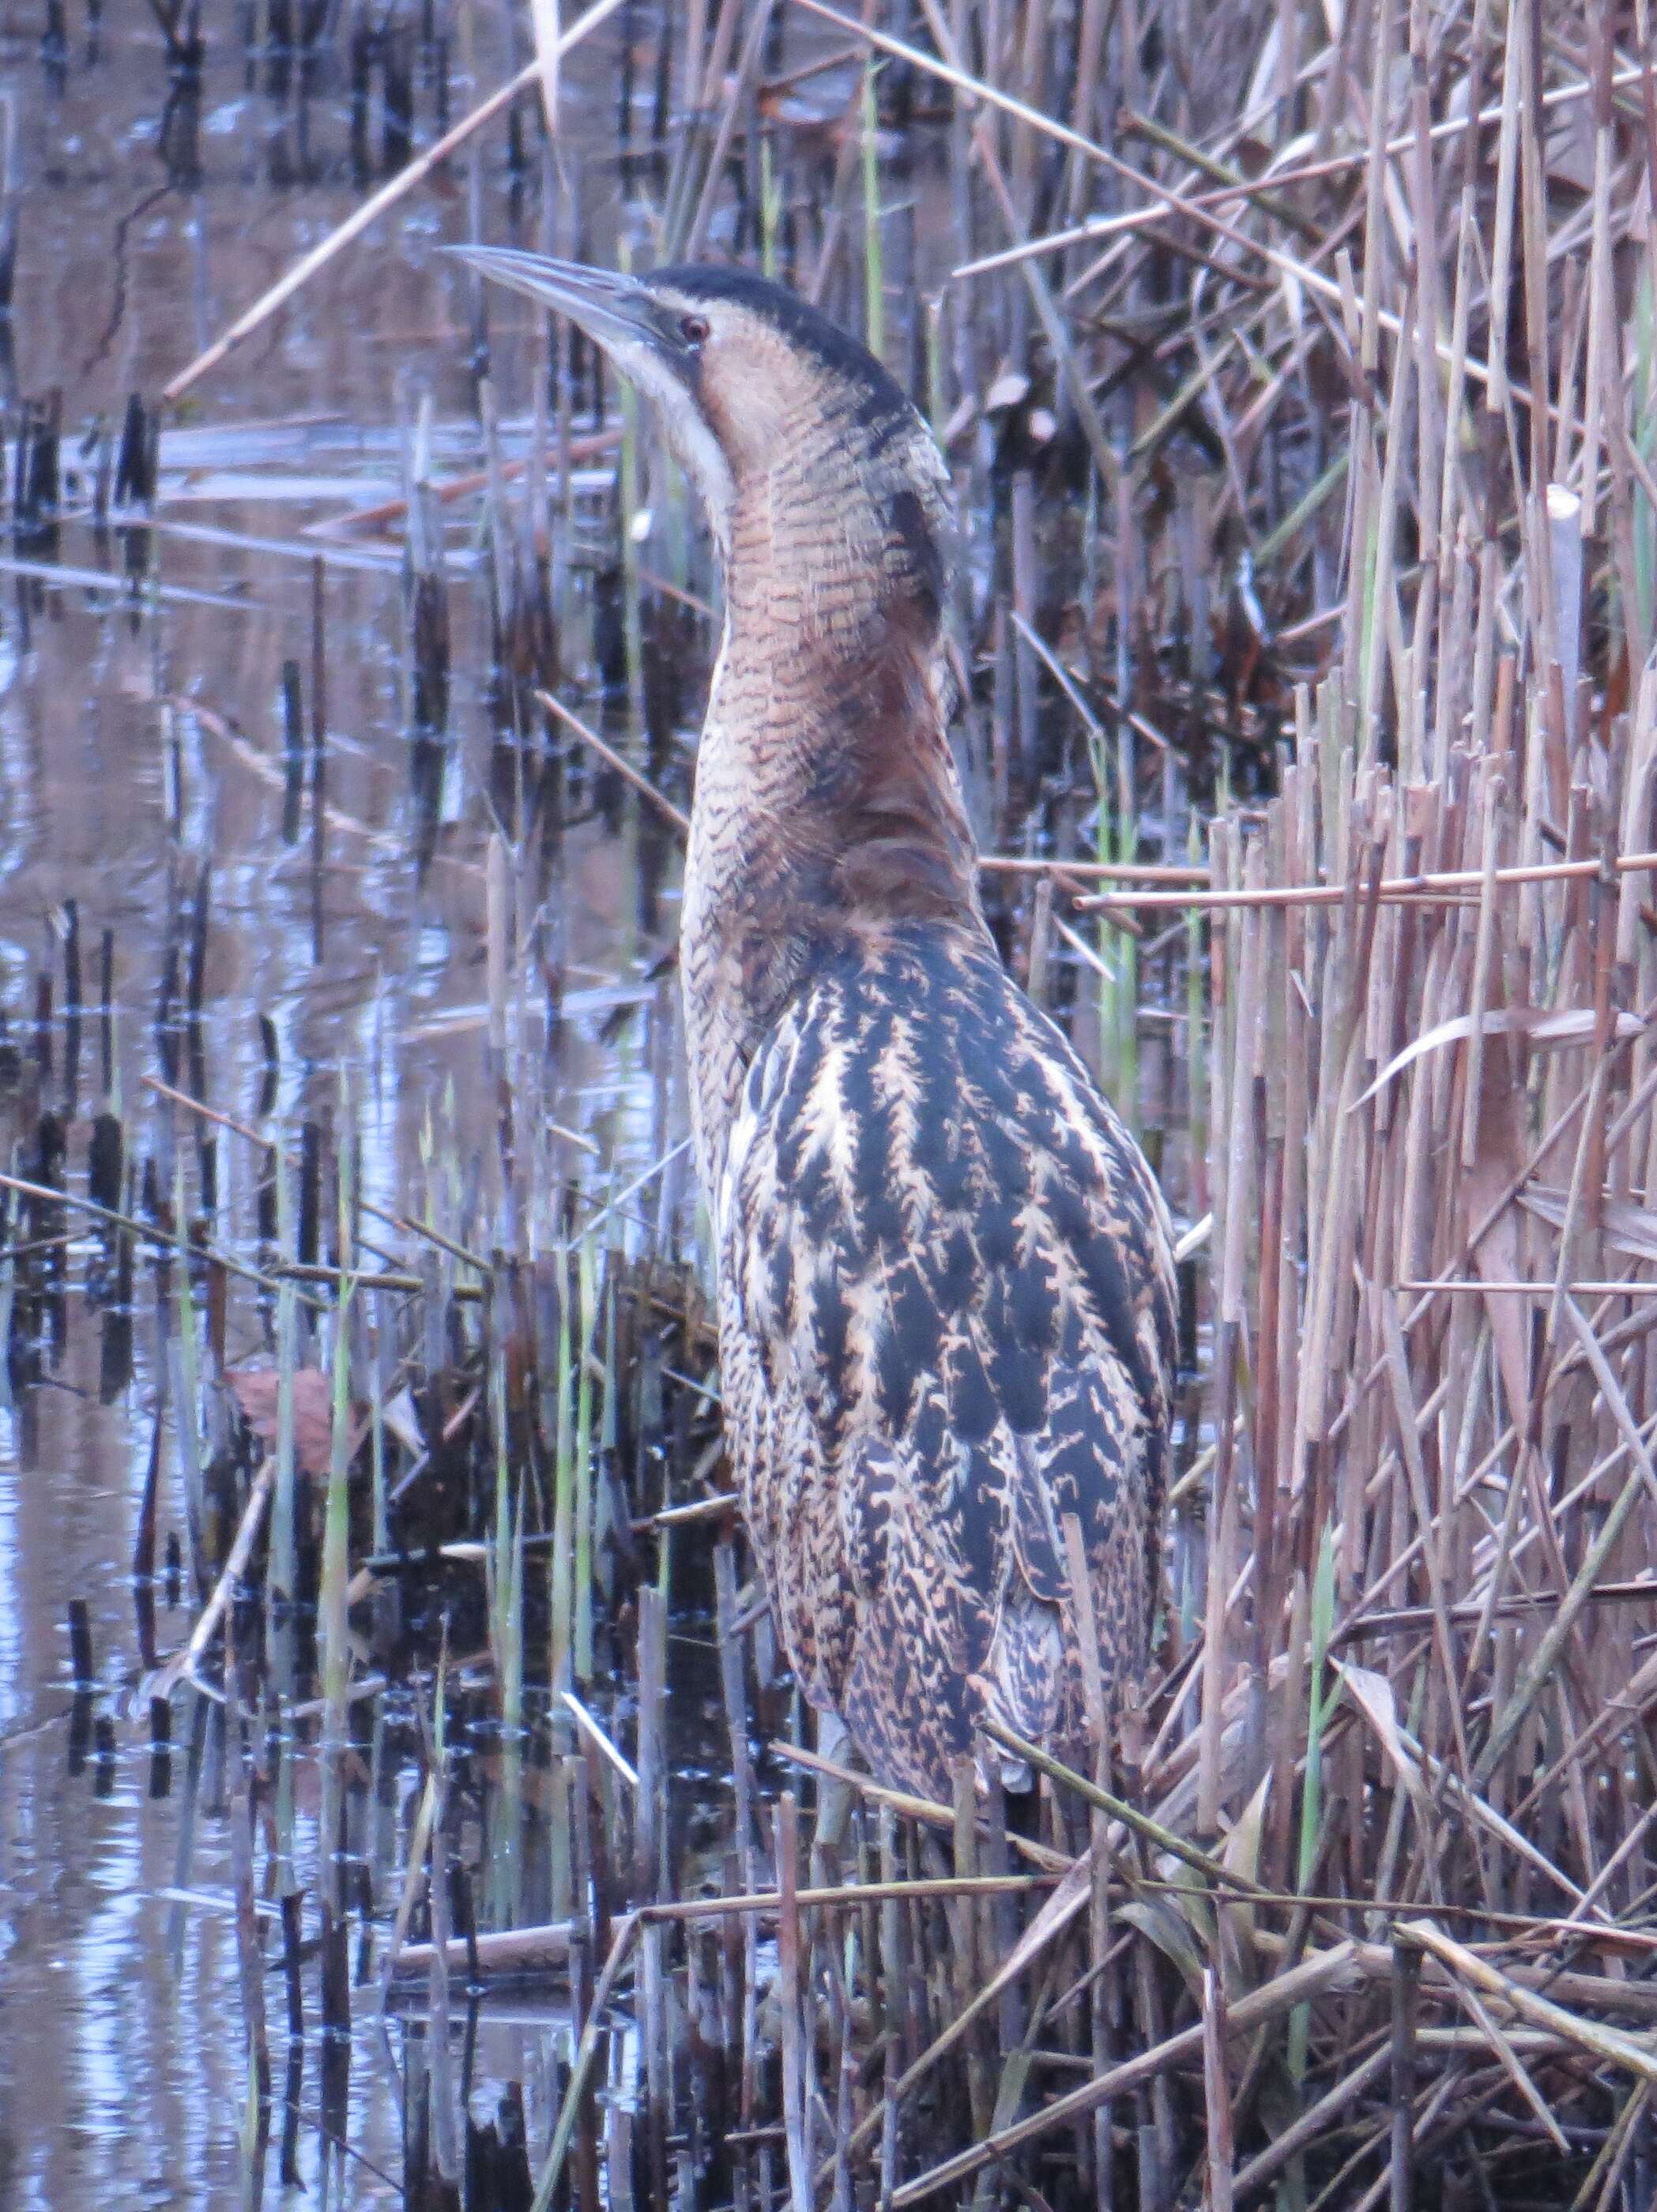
(692, 329)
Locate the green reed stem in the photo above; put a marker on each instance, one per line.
(186, 1413)
(1322, 1696)
(771, 206)
(506, 1579)
(505, 1558)
(583, 1470)
(336, 1536)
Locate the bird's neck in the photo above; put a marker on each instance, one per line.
(826, 798)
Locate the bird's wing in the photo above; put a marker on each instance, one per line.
(947, 1324)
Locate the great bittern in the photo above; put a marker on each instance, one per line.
(945, 1285)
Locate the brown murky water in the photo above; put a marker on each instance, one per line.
(142, 737)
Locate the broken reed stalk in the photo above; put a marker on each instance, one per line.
(158, 1237)
(1426, 889)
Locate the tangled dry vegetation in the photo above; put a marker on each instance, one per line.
(1365, 1912)
(1343, 319)
(1405, 300)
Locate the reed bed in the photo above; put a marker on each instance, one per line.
(1298, 385)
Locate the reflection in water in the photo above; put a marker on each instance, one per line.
(246, 788)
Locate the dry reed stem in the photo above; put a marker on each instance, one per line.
(1424, 887)
(1301, 1983)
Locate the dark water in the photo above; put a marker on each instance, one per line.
(150, 214)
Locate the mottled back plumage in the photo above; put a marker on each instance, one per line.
(946, 1292)
(946, 1317)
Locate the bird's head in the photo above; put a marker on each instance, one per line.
(756, 392)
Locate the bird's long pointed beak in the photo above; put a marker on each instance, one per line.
(612, 310)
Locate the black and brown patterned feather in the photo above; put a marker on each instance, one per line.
(946, 1323)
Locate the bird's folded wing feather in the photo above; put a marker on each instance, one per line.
(947, 1324)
